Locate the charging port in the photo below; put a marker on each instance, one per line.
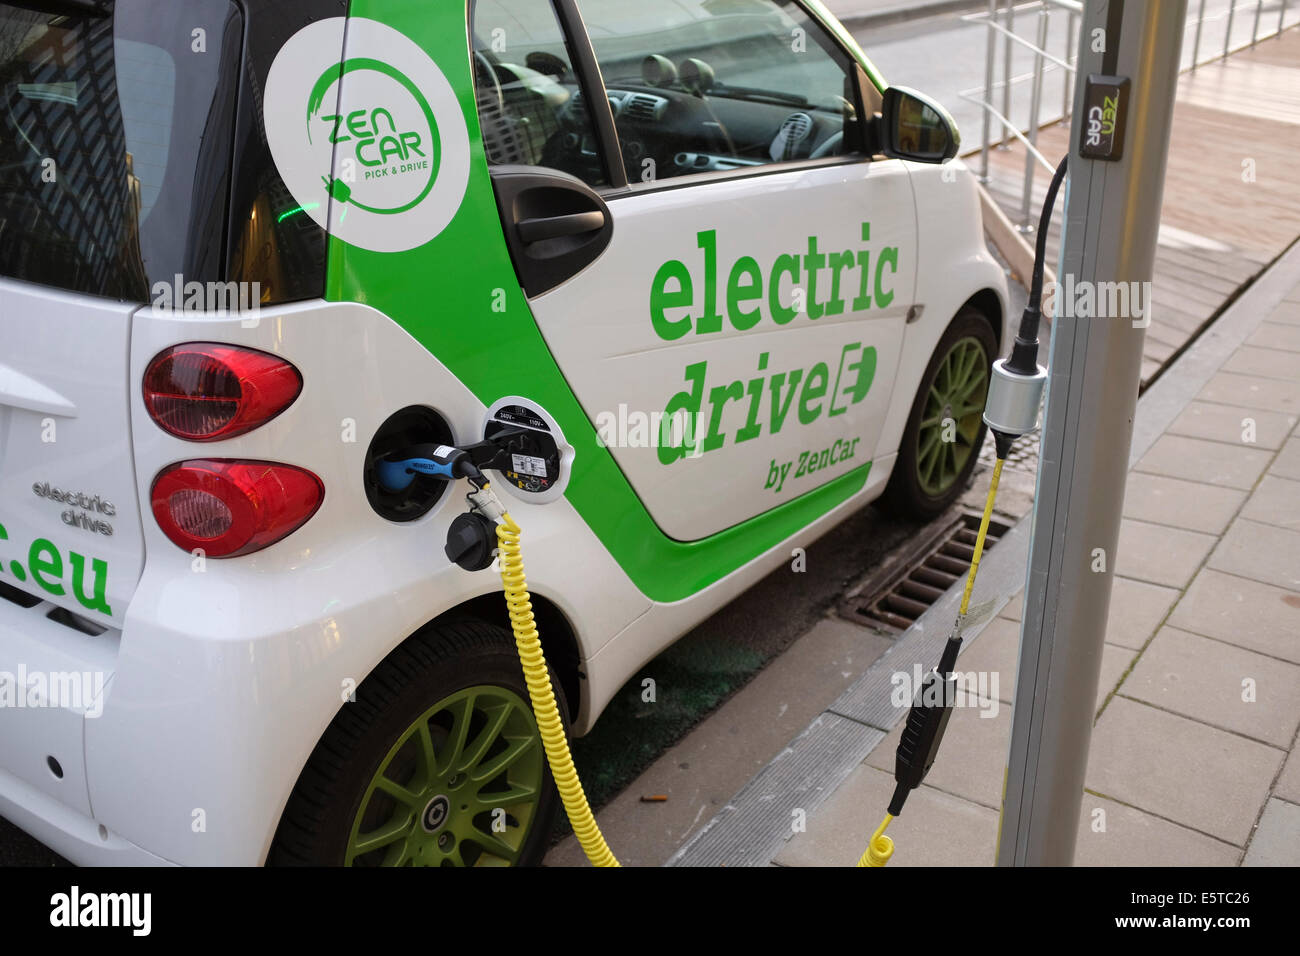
(535, 457)
(415, 425)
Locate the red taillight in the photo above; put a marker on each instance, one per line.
(205, 391)
(229, 508)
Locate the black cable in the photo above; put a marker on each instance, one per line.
(1024, 355)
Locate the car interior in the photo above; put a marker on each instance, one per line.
(724, 104)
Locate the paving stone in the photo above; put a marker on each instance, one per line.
(1277, 841)
(1261, 552)
(1136, 610)
(1205, 679)
(1287, 462)
(973, 757)
(1276, 501)
(1115, 661)
(1229, 388)
(1287, 313)
(995, 651)
(1134, 838)
(1269, 363)
(1160, 555)
(1256, 616)
(1231, 424)
(1182, 504)
(936, 829)
(1207, 462)
(1276, 335)
(1195, 775)
(1015, 607)
(1288, 785)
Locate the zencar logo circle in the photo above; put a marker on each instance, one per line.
(374, 145)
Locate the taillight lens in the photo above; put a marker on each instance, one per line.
(230, 508)
(206, 391)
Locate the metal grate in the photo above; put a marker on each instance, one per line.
(895, 597)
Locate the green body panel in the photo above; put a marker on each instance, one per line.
(449, 295)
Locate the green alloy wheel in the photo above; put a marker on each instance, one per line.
(946, 426)
(460, 787)
(397, 781)
(954, 406)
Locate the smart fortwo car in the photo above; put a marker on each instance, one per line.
(714, 279)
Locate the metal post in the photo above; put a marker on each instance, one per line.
(1005, 140)
(1254, 31)
(1196, 46)
(1112, 216)
(1227, 37)
(990, 54)
(1281, 18)
(1036, 96)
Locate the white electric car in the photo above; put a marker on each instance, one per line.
(717, 283)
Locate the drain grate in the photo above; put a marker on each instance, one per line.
(895, 597)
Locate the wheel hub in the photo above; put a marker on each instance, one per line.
(435, 814)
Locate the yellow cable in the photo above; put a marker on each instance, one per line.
(540, 693)
(880, 848)
(979, 540)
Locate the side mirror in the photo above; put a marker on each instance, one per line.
(916, 128)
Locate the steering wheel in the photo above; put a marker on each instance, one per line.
(483, 63)
(830, 146)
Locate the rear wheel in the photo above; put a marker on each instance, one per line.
(437, 763)
(945, 428)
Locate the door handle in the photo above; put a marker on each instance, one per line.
(555, 227)
(555, 224)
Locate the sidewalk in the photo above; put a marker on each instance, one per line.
(1193, 749)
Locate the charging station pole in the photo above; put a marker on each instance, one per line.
(1112, 217)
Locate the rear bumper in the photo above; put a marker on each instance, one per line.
(57, 680)
(69, 833)
(198, 721)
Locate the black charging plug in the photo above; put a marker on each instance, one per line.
(925, 726)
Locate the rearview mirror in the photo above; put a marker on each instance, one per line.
(916, 128)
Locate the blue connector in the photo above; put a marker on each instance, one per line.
(398, 475)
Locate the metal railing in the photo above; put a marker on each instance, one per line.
(1000, 21)
(1228, 48)
(1043, 62)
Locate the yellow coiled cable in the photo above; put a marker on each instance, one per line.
(538, 678)
(880, 848)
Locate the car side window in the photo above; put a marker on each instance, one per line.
(530, 102)
(706, 86)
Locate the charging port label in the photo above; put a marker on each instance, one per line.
(1101, 134)
(528, 465)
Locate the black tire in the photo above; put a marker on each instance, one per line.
(431, 666)
(905, 492)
